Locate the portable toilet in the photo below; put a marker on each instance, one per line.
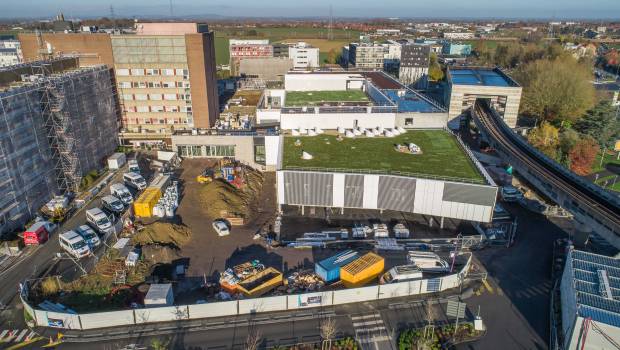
(159, 295)
(329, 269)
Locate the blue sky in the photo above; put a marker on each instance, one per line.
(592, 9)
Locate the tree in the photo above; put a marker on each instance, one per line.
(568, 139)
(583, 155)
(601, 124)
(434, 70)
(328, 330)
(333, 56)
(557, 89)
(546, 139)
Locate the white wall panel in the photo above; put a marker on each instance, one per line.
(394, 290)
(331, 121)
(355, 295)
(280, 185)
(371, 186)
(222, 308)
(247, 306)
(414, 287)
(338, 188)
(428, 197)
(57, 319)
(159, 314)
(272, 149)
(107, 319)
(450, 281)
(306, 300)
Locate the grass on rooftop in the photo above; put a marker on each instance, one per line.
(310, 98)
(441, 155)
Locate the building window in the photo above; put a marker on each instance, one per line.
(137, 72)
(170, 97)
(124, 84)
(122, 72)
(259, 154)
(155, 97)
(167, 72)
(408, 121)
(127, 97)
(220, 151)
(143, 109)
(141, 97)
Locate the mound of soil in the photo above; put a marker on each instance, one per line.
(220, 196)
(163, 233)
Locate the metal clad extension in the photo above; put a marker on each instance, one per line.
(354, 191)
(396, 193)
(308, 188)
(470, 194)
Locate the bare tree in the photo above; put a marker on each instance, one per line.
(430, 318)
(328, 330)
(253, 339)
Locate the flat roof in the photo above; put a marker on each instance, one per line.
(480, 76)
(409, 101)
(313, 98)
(383, 81)
(591, 286)
(441, 156)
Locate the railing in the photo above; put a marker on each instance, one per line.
(386, 172)
(225, 132)
(473, 158)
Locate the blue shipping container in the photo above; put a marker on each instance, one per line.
(329, 269)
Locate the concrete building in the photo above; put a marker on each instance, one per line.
(266, 69)
(304, 56)
(466, 84)
(280, 50)
(247, 49)
(366, 56)
(10, 53)
(414, 64)
(57, 123)
(459, 35)
(165, 74)
(456, 49)
(590, 302)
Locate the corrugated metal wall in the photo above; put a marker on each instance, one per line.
(396, 193)
(305, 188)
(354, 191)
(470, 194)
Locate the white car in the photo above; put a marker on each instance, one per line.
(221, 228)
(511, 194)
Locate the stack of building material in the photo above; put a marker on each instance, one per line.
(401, 130)
(388, 244)
(358, 131)
(361, 271)
(360, 231)
(349, 134)
(395, 131)
(304, 281)
(380, 230)
(401, 231)
(167, 205)
(341, 130)
(329, 269)
(387, 133)
(369, 133)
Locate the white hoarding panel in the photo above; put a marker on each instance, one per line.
(371, 188)
(394, 290)
(107, 319)
(223, 308)
(272, 149)
(449, 282)
(428, 197)
(415, 287)
(300, 301)
(280, 185)
(355, 295)
(57, 319)
(248, 306)
(160, 314)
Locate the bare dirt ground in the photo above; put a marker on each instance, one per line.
(210, 254)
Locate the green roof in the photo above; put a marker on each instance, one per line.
(441, 156)
(311, 98)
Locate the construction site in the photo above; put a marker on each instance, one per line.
(59, 122)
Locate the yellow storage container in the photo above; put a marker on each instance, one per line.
(261, 283)
(143, 206)
(361, 271)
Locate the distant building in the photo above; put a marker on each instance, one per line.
(247, 49)
(414, 63)
(304, 56)
(60, 25)
(59, 123)
(388, 32)
(590, 302)
(344, 56)
(266, 69)
(280, 50)
(366, 56)
(10, 52)
(459, 35)
(456, 49)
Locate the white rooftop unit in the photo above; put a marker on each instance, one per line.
(159, 295)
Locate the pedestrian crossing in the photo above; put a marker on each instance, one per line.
(16, 335)
(370, 328)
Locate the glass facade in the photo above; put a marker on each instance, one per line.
(206, 150)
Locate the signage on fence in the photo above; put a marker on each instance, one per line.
(305, 300)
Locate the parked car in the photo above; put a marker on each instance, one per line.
(98, 220)
(112, 204)
(510, 194)
(74, 244)
(38, 232)
(133, 166)
(134, 180)
(89, 236)
(121, 192)
(221, 228)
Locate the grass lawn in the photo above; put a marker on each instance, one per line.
(308, 98)
(441, 155)
(611, 184)
(609, 159)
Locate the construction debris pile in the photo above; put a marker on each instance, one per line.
(163, 233)
(232, 276)
(250, 279)
(168, 204)
(304, 281)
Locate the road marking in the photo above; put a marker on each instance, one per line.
(367, 323)
(4, 332)
(31, 335)
(21, 335)
(487, 286)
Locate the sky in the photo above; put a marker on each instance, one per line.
(558, 9)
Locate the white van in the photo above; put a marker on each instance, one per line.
(133, 166)
(401, 274)
(121, 192)
(97, 218)
(74, 244)
(112, 204)
(134, 180)
(89, 236)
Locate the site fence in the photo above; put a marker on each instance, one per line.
(177, 313)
